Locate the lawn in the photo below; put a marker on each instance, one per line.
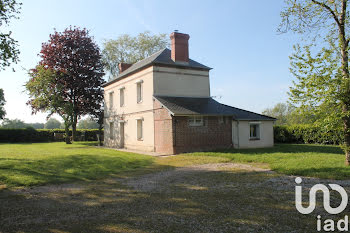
(42, 163)
(109, 191)
(323, 161)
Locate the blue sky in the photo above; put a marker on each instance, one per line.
(238, 39)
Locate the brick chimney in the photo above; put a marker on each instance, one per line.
(179, 46)
(123, 67)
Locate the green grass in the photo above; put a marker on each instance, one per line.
(293, 159)
(42, 163)
(46, 163)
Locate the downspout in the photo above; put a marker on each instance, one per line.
(238, 133)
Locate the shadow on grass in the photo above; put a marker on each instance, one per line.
(58, 169)
(289, 148)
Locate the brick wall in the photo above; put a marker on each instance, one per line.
(163, 130)
(212, 135)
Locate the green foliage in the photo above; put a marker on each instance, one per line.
(13, 124)
(52, 123)
(2, 104)
(42, 163)
(8, 46)
(307, 134)
(36, 125)
(321, 67)
(87, 124)
(128, 49)
(43, 135)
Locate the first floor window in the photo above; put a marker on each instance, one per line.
(139, 129)
(254, 131)
(139, 92)
(111, 96)
(121, 95)
(111, 130)
(195, 121)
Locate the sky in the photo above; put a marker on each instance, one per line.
(238, 39)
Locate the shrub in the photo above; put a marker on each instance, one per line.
(44, 135)
(307, 134)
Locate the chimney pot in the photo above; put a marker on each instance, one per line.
(179, 46)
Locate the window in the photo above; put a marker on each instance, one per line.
(139, 91)
(254, 131)
(121, 93)
(111, 100)
(195, 121)
(221, 120)
(140, 129)
(111, 130)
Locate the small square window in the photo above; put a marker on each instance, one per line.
(221, 120)
(195, 121)
(254, 131)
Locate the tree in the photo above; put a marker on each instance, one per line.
(13, 124)
(36, 125)
(2, 104)
(288, 114)
(321, 67)
(281, 111)
(75, 60)
(52, 123)
(8, 46)
(87, 124)
(128, 49)
(45, 95)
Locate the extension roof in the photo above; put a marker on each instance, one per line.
(162, 58)
(187, 106)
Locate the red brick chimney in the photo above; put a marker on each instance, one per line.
(123, 66)
(179, 46)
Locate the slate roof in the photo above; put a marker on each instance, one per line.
(162, 57)
(182, 106)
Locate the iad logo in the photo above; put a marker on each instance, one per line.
(326, 198)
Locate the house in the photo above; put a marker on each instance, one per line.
(163, 104)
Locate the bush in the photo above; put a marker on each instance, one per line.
(307, 134)
(44, 135)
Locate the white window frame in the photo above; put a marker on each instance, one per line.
(122, 97)
(111, 101)
(139, 128)
(195, 121)
(139, 91)
(111, 130)
(258, 129)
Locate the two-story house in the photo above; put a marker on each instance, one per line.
(163, 104)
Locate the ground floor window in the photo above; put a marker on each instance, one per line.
(111, 130)
(254, 131)
(195, 121)
(139, 129)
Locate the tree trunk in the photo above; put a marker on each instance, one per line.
(74, 127)
(66, 129)
(100, 133)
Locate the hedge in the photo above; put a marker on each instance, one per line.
(307, 134)
(44, 135)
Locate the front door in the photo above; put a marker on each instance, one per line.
(121, 131)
